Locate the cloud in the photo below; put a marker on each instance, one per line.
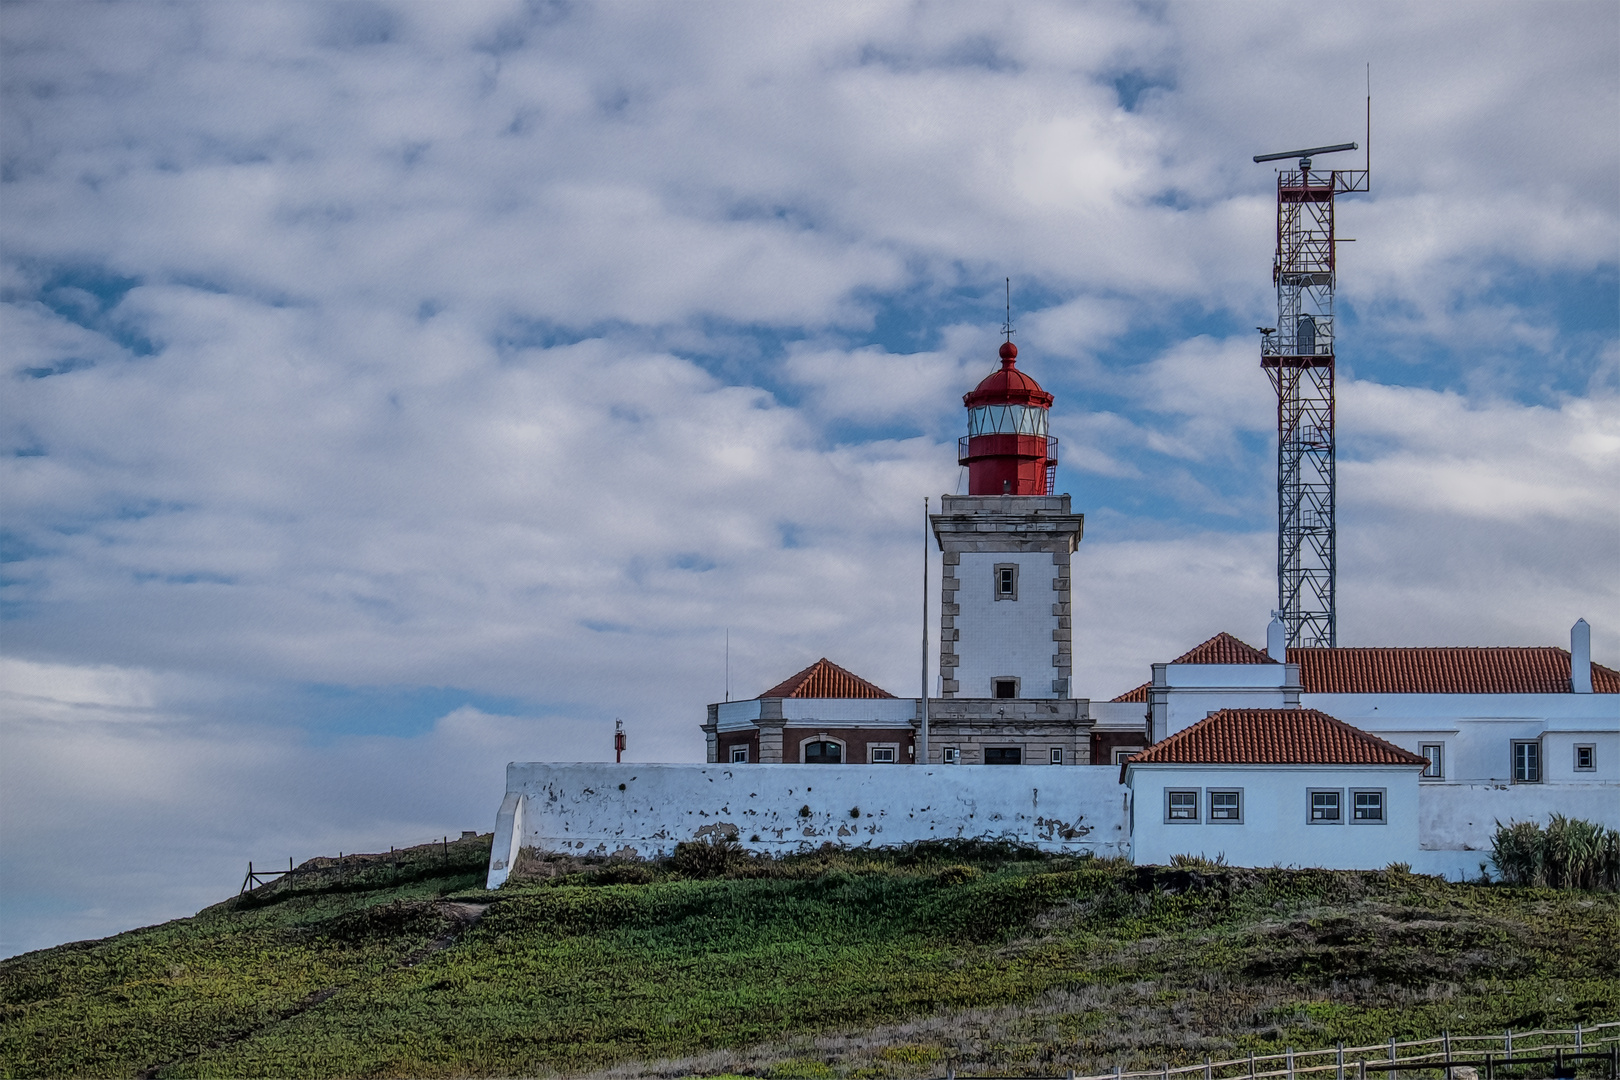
(515, 354)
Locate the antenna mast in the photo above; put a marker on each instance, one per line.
(1298, 355)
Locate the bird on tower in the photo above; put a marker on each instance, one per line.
(1007, 449)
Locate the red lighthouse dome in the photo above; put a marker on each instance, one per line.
(1007, 450)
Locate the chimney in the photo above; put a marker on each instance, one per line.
(1277, 639)
(1580, 657)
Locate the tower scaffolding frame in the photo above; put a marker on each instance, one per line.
(1300, 358)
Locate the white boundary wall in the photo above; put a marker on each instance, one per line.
(1456, 821)
(603, 809)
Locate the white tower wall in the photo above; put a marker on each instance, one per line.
(1006, 638)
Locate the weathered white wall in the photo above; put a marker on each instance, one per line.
(1276, 827)
(602, 809)
(1462, 817)
(1006, 638)
(1457, 820)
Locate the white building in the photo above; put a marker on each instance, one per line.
(1508, 734)
(1262, 787)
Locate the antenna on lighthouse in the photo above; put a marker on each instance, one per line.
(1007, 327)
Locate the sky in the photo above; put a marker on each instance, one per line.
(392, 391)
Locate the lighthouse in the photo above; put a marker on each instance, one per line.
(1007, 450)
(1006, 625)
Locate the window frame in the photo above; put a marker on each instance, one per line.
(1591, 757)
(1209, 806)
(1436, 767)
(1196, 804)
(843, 750)
(997, 682)
(1054, 756)
(1535, 746)
(1383, 806)
(996, 579)
(739, 748)
(1338, 806)
(893, 749)
(950, 755)
(1017, 750)
(1127, 751)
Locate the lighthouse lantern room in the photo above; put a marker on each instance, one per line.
(1007, 450)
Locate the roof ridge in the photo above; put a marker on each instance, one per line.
(1442, 669)
(825, 679)
(1235, 736)
(1224, 648)
(1139, 693)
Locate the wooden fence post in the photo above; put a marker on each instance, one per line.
(1391, 1074)
(1338, 1060)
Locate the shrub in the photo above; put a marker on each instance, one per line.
(1197, 862)
(713, 856)
(1567, 854)
(955, 875)
(624, 873)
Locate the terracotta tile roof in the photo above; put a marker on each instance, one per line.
(1274, 737)
(1223, 648)
(825, 679)
(1139, 694)
(1541, 670)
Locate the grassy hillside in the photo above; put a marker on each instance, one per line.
(887, 964)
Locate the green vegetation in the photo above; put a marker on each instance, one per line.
(829, 964)
(1569, 853)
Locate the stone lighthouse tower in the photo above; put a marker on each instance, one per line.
(1005, 639)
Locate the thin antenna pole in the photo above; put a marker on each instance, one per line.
(1007, 329)
(1369, 126)
(922, 736)
(728, 663)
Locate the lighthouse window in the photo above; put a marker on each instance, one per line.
(1006, 420)
(1006, 581)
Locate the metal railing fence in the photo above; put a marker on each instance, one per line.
(1490, 1053)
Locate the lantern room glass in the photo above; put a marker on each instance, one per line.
(1006, 420)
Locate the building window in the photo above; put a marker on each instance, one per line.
(1369, 805)
(823, 752)
(882, 755)
(1326, 806)
(1527, 762)
(1434, 754)
(1003, 755)
(1585, 757)
(1005, 688)
(1181, 806)
(739, 754)
(951, 755)
(1006, 581)
(1123, 752)
(1226, 806)
(1056, 756)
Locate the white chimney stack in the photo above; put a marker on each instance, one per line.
(1580, 657)
(1277, 639)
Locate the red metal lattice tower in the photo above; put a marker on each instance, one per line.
(1298, 355)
